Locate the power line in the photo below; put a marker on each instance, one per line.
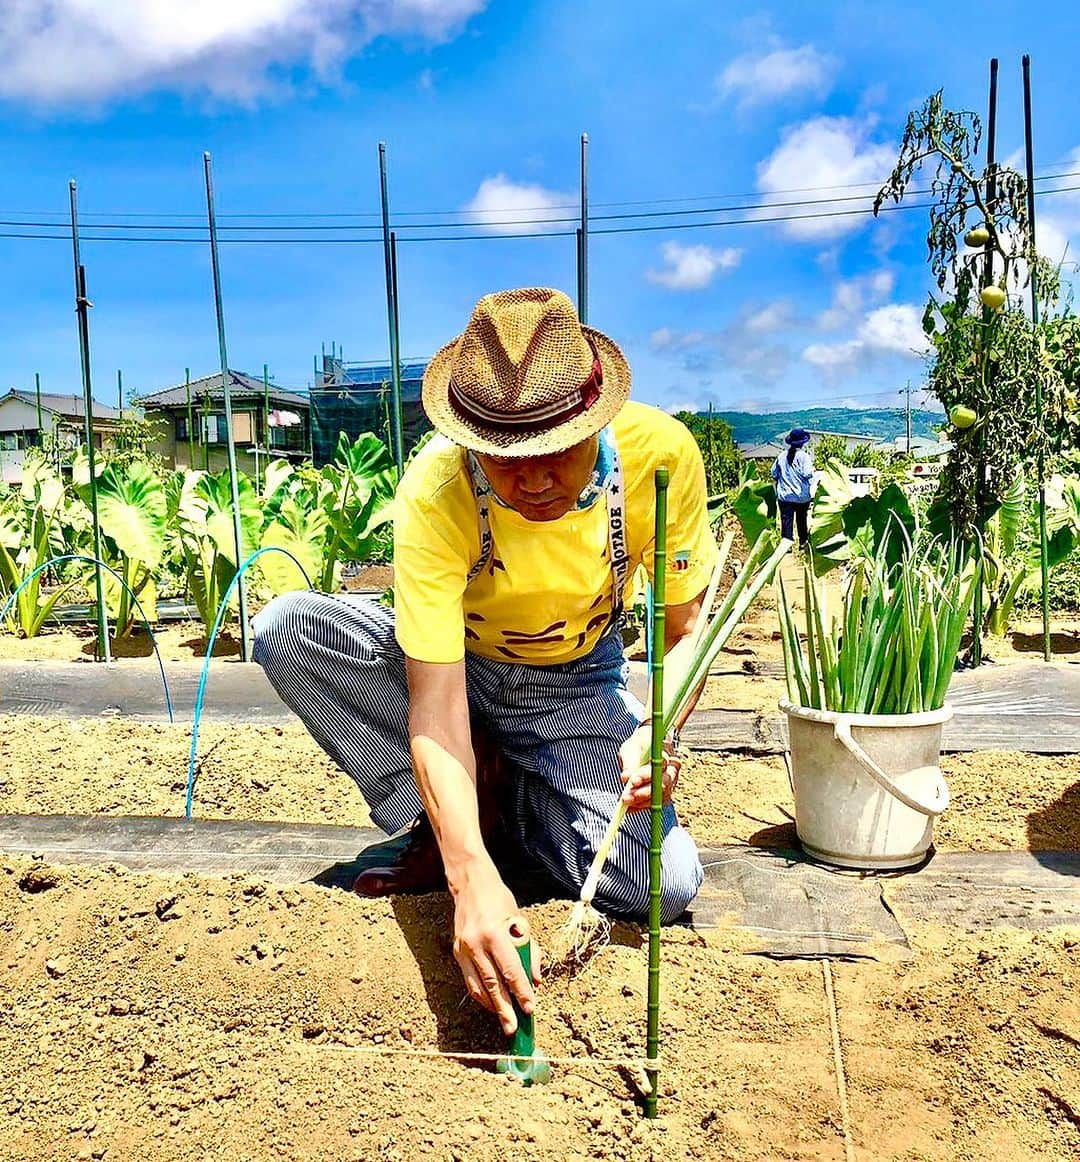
(35, 219)
(489, 235)
(746, 207)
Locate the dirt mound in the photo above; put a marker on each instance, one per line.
(185, 1018)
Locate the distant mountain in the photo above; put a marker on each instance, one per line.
(884, 423)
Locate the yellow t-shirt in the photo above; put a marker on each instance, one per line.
(545, 595)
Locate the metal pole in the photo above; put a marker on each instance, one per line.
(583, 244)
(82, 307)
(266, 416)
(397, 329)
(190, 419)
(987, 320)
(238, 540)
(1044, 549)
(392, 315)
(40, 422)
(656, 751)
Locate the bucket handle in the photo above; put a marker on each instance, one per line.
(842, 733)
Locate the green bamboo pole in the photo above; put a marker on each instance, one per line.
(392, 313)
(190, 420)
(583, 234)
(230, 444)
(82, 307)
(1044, 545)
(987, 322)
(656, 839)
(40, 423)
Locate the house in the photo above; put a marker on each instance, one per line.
(267, 422)
(921, 447)
(60, 421)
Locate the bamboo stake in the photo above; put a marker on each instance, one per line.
(1044, 548)
(226, 377)
(82, 308)
(656, 837)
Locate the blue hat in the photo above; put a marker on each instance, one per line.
(797, 437)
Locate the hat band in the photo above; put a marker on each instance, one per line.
(541, 418)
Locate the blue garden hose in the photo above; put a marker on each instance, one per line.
(94, 561)
(209, 652)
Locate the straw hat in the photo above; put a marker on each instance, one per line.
(525, 378)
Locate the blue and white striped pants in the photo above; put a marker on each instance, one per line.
(337, 664)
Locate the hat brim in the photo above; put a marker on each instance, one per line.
(614, 392)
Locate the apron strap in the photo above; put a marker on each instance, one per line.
(618, 555)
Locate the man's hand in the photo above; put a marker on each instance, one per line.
(484, 909)
(637, 774)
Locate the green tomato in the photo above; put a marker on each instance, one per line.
(993, 297)
(961, 416)
(977, 236)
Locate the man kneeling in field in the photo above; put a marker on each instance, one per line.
(515, 532)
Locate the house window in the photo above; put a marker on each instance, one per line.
(181, 429)
(214, 430)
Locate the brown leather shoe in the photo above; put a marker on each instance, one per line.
(412, 864)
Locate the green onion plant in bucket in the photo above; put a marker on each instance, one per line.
(866, 704)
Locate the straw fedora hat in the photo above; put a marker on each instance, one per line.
(525, 378)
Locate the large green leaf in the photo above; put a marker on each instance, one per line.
(366, 456)
(886, 521)
(1009, 518)
(132, 510)
(827, 537)
(754, 505)
(302, 534)
(216, 490)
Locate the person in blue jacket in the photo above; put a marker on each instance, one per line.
(793, 472)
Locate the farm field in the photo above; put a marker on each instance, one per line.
(189, 1017)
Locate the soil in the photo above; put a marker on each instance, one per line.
(1000, 801)
(189, 1018)
(180, 1018)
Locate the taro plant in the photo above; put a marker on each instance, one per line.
(199, 508)
(37, 523)
(324, 518)
(891, 646)
(132, 512)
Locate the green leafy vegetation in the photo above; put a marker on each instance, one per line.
(892, 645)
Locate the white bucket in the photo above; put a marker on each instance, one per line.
(867, 787)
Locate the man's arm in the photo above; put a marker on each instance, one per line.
(445, 770)
(679, 622)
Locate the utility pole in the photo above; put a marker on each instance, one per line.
(907, 392)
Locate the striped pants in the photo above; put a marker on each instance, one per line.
(337, 665)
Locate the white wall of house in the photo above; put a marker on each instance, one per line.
(17, 416)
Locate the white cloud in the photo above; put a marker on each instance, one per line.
(1057, 221)
(775, 316)
(62, 51)
(501, 204)
(832, 354)
(895, 329)
(692, 267)
(824, 154)
(758, 78)
(850, 296)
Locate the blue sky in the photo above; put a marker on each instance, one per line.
(481, 103)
